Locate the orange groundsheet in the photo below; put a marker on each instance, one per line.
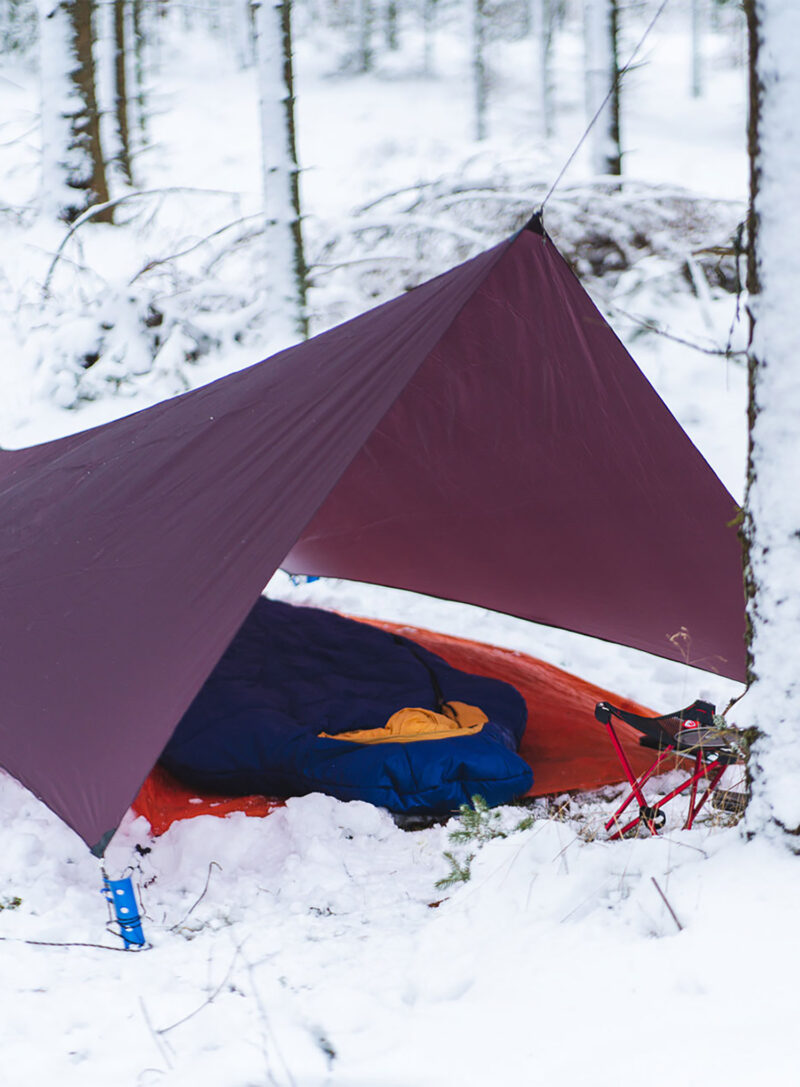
(567, 748)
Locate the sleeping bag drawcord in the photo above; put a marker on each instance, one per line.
(437, 690)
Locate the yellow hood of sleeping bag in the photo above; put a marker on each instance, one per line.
(413, 723)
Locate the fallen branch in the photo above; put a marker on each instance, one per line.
(190, 249)
(209, 1000)
(56, 943)
(213, 864)
(96, 209)
(651, 326)
(161, 1043)
(666, 903)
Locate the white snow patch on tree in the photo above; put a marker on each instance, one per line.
(773, 501)
(60, 158)
(284, 270)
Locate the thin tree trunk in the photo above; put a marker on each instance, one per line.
(7, 19)
(544, 40)
(285, 261)
(390, 25)
(772, 510)
(602, 80)
(366, 20)
(121, 90)
(697, 49)
(73, 170)
(428, 32)
(479, 69)
(139, 73)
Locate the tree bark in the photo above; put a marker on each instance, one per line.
(697, 50)
(121, 91)
(73, 170)
(428, 34)
(479, 69)
(390, 25)
(366, 21)
(602, 80)
(286, 274)
(771, 528)
(139, 73)
(544, 38)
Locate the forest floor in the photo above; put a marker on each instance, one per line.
(313, 948)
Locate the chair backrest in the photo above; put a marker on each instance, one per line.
(665, 730)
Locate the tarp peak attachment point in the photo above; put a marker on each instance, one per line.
(536, 223)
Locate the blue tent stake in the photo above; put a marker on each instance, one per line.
(120, 895)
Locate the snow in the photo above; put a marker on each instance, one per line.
(313, 948)
(322, 953)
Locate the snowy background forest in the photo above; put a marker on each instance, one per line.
(164, 219)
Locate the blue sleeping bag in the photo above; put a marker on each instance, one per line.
(291, 673)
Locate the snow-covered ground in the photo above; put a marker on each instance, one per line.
(313, 947)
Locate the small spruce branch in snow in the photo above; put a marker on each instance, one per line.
(460, 870)
(479, 824)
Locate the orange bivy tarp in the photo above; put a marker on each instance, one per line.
(564, 744)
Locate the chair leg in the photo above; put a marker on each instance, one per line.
(649, 813)
(636, 785)
(713, 780)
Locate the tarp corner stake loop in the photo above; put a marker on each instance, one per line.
(99, 848)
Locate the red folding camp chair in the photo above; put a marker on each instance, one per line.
(686, 735)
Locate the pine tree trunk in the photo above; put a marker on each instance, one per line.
(479, 69)
(73, 171)
(285, 261)
(772, 509)
(121, 91)
(366, 20)
(7, 18)
(139, 73)
(697, 48)
(390, 25)
(428, 33)
(544, 39)
(602, 77)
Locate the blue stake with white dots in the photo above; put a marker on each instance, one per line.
(120, 895)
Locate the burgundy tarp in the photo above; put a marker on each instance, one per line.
(484, 437)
